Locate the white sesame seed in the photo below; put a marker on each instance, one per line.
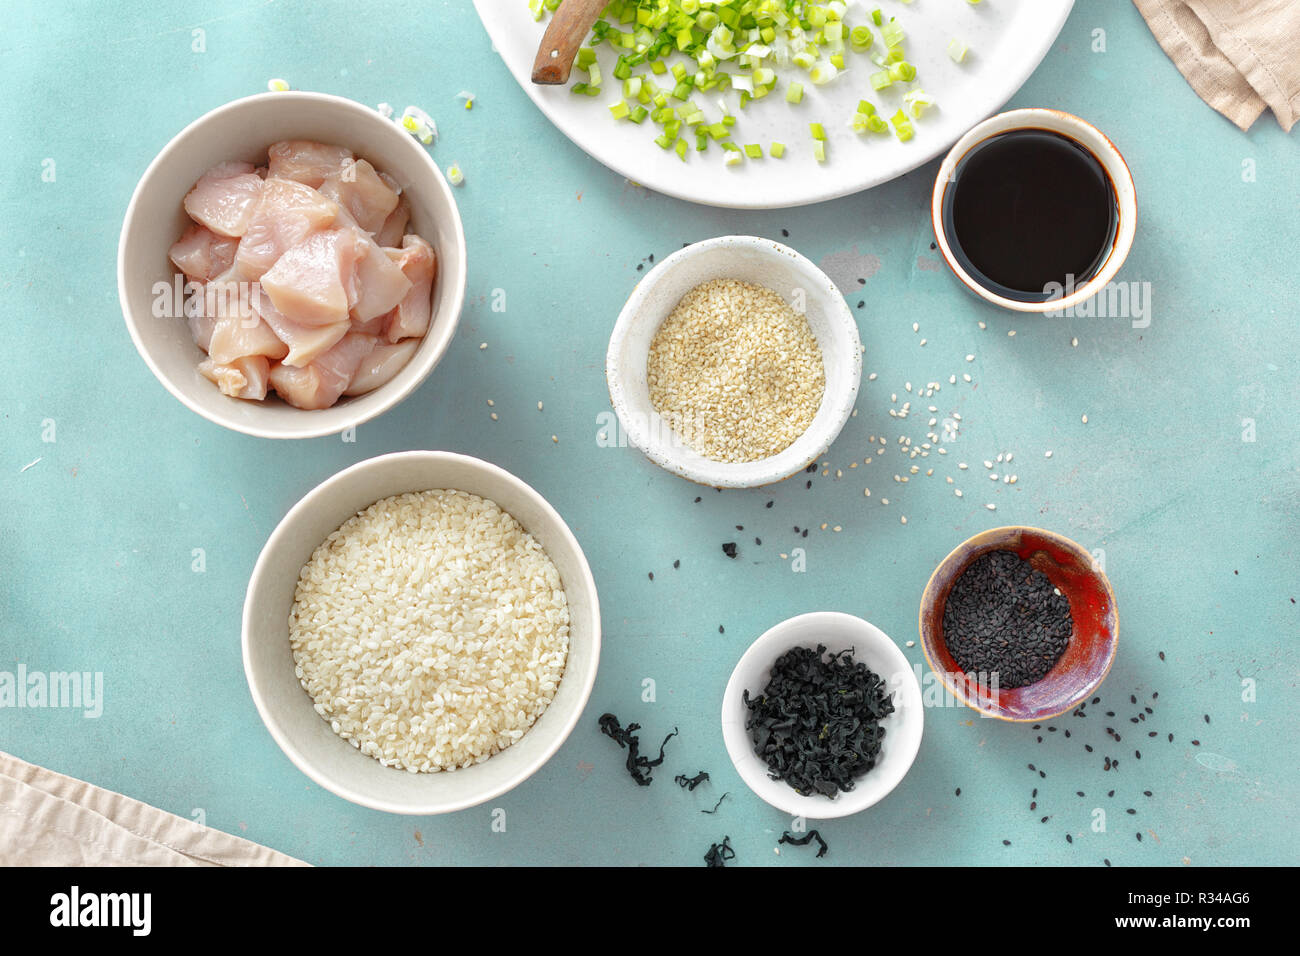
(871, 377)
(1011, 332)
(966, 376)
(916, 326)
(957, 492)
(1047, 455)
(963, 466)
(999, 457)
(539, 406)
(555, 439)
(884, 501)
(902, 519)
(482, 346)
(991, 507)
(866, 492)
(988, 464)
(1009, 456)
(1013, 479)
(494, 416)
(983, 326)
(907, 385)
(993, 476)
(1074, 343)
(837, 528)
(952, 379)
(490, 403)
(970, 358)
(1085, 419)
(923, 341)
(948, 478)
(915, 469)
(1006, 479)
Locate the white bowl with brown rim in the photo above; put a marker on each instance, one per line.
(762, 262)
(1082, 133)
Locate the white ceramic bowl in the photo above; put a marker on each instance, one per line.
(871, 646)
(287, 710)
(242, 130)
(1081, 132)
(750, 259)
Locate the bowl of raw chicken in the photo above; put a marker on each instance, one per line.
(292, 265)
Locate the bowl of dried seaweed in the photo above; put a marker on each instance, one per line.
(822, 716)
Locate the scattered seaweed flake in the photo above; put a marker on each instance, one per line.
(729, 549)
(690, 783)
(718, 804)
(719, 853)
(790, 838)
(638, 765)
(817, 723)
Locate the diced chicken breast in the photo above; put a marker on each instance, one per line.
(286, 214)
(381, 365)
(394, 227)
(306, 342)
(320, 384)
(360, 190)
(378, 283)
(419, 264)
(201, 327)
(306, 162)
(234, 338)
(310, 282)
(224, 198)
(202, 254)
(244, 378)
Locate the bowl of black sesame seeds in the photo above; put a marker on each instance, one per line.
(1019, 623)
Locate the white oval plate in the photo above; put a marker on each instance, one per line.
(1007, 40)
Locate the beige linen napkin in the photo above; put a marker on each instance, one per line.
(1239, 55)
(47, 819)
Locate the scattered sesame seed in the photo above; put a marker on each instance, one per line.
(539, 406)
(1074, 343)
(983, 326)
(923, 341)
(957, 492)
(884, 501)
(902, 519)
(1047, 455)
(1011, 332)
(837, 528)
(970, 358)
(866, 492)
(916, 326)
(555, 439)
(482, 346)
(991, 507)
(1085, 419)
(871, 377)
(494, 416)
(962, 465)
(490, 403)
(966, 377)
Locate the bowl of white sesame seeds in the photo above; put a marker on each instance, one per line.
(734, 363)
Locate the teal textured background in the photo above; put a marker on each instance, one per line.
(1198, 526)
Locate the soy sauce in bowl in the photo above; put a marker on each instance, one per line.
(1029, 212)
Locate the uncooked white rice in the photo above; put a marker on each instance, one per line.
(431, 630)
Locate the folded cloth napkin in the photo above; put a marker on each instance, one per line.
(1239, 55)
(47, 819)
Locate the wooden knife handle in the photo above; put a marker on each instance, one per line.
(569, 26)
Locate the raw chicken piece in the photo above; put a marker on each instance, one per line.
(373, 326)
(419, 264)
(381, 365)
(360, 191)
(201, 254)
(224, 197)
(286, 214)
(201, 328)
(310, 282)
(243, 378)
(306, 162)
(305, 342)
(394, 227)
(234, 338)
(320, 384)
(378, 284)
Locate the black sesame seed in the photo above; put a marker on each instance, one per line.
(1079, 792)
(1033, 805)
(652, 575)
(958, 793)
(1162, 655)
(721, 630)
(1146, 793)
(770, 503)
(1196, 743)
(758, 540)
(1107, 862)
(1068, 838)
(1006, 843)
(729, 549)
(1207, 718)
(1131, 812)
(740, 527)
(1139, 836)
(677, 563)
(1137, 754)
(1043, 774)
(1088, 747)
(786, 233)
(1045, 819)
(697, 500)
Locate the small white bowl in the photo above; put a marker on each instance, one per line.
(1094, 141)
(749, 259)
(287, 710)
(871, 646)
(242, 130)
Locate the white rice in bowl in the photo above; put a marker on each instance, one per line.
(431, 630)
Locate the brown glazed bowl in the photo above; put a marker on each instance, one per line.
(1092, 647)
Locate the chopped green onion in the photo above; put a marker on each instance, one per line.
(903, 72)
(619, 110)
(818, 131)
(957, 50)
(877, 17)
(794, 94)
(881, 80)
(866, 108)
(777, 150)
(455, 175)
(819, 150)
(680, 148)
(753, 151)
(861, 38)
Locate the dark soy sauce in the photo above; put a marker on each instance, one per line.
(1028, 208)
